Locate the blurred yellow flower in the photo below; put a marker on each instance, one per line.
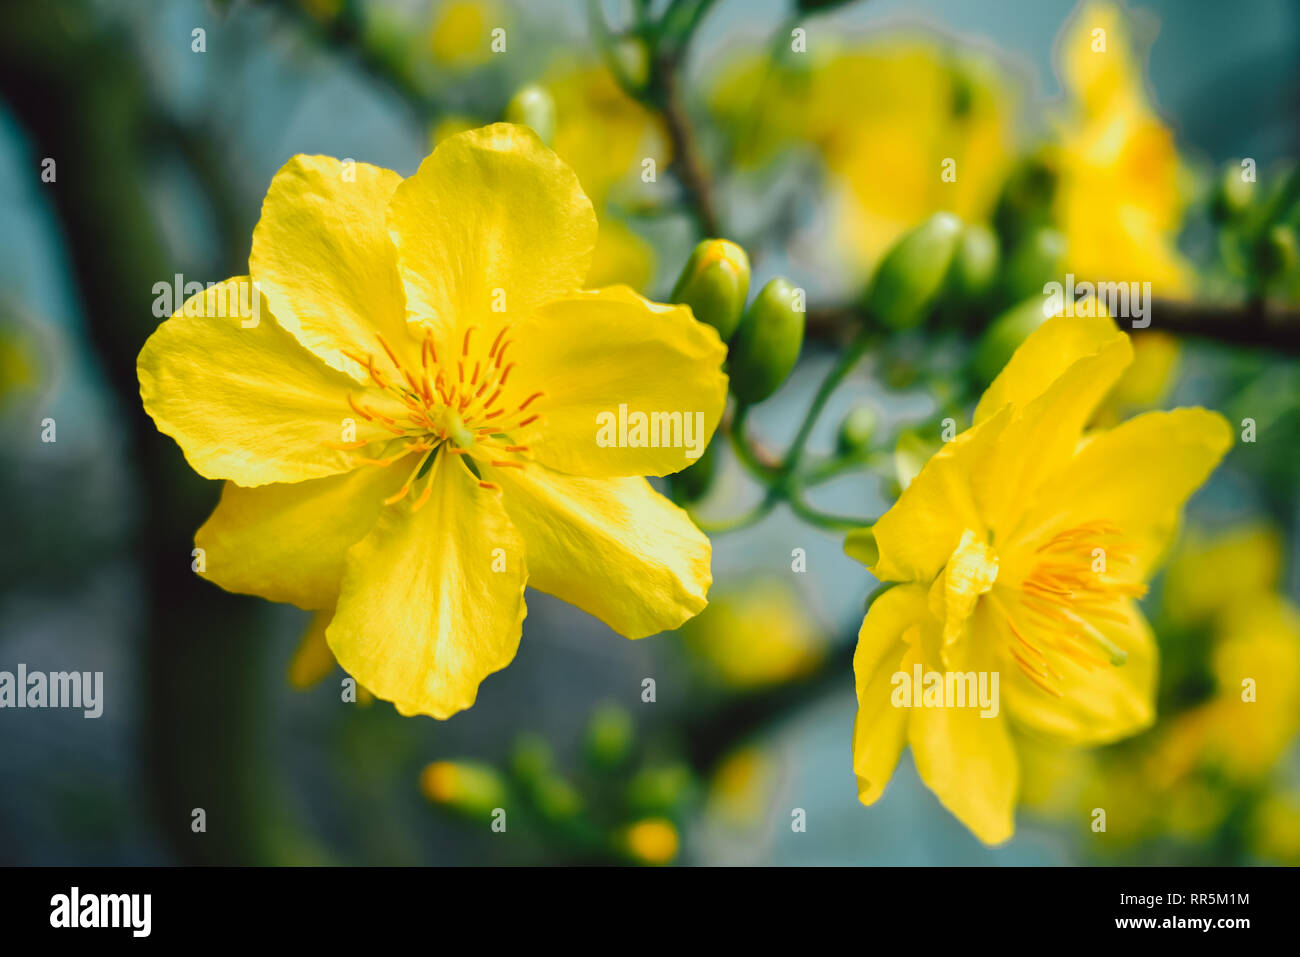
(905, 128)
(740, 787)
(435, 324)
(459, 32)
(1020, 548)
(604, 135)
(757, 636)
(652, 841)
(1119, 197)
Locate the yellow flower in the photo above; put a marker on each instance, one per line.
(756, 637)
(652, 841)
(604, 135)
(886, 112)
(1021, 548)
(1119, 197)
(459, 33)
(409, 427)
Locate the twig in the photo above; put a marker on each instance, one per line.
(1267, 325)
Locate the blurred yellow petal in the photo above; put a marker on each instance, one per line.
(608, 359)
(615, 548)
(433, 600)
(322, 256)
(491, 226)
(248, 404)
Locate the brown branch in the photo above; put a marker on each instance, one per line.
(1259, 325)
(687, 165)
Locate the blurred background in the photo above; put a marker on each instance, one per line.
(166, 120)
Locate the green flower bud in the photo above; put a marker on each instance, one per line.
(715, 284)
(768, 341)
(1036, 260)
(913, 450)
(912, 273)
(857, 429)
(534, 107)
(860, 545)
(975, 265)
(1277, 251)
(556, 798)
(532, 757)
(659, 789)
(1004, 335)
(690, 484)
(1233, 195)
(609, 737)
(466, 787)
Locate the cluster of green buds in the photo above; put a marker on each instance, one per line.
(764, 340)
(620, 806)
(1258, 221)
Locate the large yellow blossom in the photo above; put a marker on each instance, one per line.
(1020, 549)
(1120, 197)
(409, 432)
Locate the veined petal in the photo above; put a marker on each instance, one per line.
(1042, 358)
(880, 729)
(630, 387)
(433, 600)
(322, 256)
(289, 542)
(916, 537)
(615, 548)
(1098, 703)
(492, 225)
(967, 760)
(248, 404)
(1136, 476)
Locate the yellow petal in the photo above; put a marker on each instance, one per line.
(608, 359)
(1137, 477)
(967, 760)
(880, 729)
(322, 255)
(492, 225)
(312, 660)
(289, 542)
(1044, 431)
(916, 537)
(425, 615)
(615, 548)
(1099, 703)
(249, 404)
(1043, 357)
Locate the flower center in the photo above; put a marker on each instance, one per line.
(1067, 589)
(455, 405)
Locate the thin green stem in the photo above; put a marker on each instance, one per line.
(843, 366)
